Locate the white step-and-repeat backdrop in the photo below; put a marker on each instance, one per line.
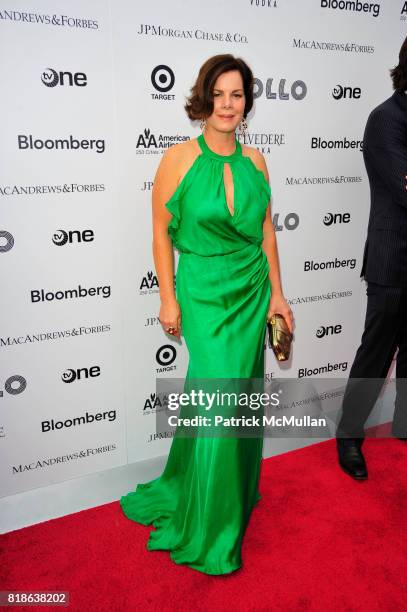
(92, 94)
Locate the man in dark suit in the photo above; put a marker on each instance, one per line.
(385, 270)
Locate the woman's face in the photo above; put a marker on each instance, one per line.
(228, 102)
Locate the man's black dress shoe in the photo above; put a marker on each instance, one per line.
(351, 458)
(399, 435)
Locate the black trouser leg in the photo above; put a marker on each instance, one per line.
(399, 428)
(384, 317)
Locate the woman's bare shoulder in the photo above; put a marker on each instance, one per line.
(254, 154)
(173, 166)
(256, 157)
(180, 154)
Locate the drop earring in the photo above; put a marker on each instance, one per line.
(243, 126)
(203, 124)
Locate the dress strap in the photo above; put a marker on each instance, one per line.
(237, 154)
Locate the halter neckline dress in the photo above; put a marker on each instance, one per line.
(201, 504)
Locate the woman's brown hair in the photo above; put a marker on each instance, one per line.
(200, 103)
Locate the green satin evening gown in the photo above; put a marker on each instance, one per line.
(201, 504)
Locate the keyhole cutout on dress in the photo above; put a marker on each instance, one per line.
(229, 188)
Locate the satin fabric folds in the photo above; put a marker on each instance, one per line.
(201, 504)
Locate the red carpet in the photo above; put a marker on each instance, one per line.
(317, 540)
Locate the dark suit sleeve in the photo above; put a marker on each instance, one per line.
(385, 148)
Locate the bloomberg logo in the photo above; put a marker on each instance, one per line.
(311, 266)
(29, 142)
(51, 425)
(347, 5)
(41, 295)
(319, 143)
(329, 367)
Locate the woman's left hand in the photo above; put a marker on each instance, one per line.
(278, 305)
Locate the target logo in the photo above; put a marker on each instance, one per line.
(6, 241)
(163, 79)
(165, 357)
(166, 354)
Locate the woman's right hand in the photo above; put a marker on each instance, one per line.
(170, 316)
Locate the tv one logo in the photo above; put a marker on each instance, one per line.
(14, 385)
(61, 237)
(328, 330)
(70, 375)
(278, 90)
(52, 78)
(334, 218)
(340, 92)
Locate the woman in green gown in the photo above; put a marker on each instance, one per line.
(211, 201)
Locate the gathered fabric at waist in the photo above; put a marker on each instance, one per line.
(249, 247)
(245, 268)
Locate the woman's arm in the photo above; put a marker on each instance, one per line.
(278, 303)
(165, 183)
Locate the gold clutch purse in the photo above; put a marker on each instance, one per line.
(280, 337)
